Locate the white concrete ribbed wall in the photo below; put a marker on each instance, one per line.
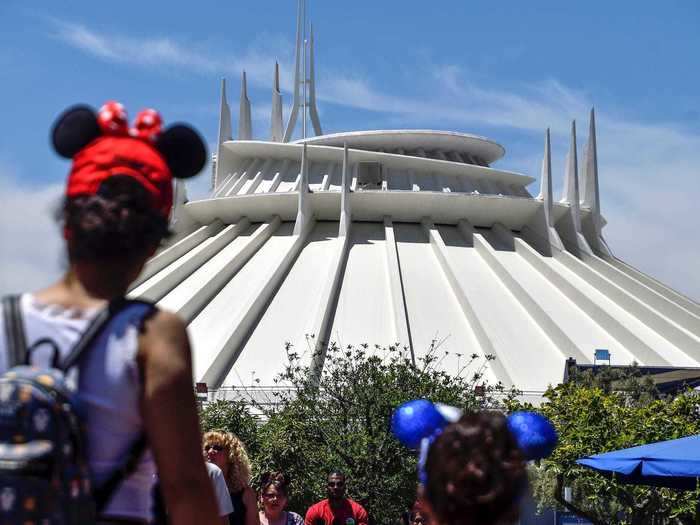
(155, 288)
(251, 311)
(608, 322)
(188, 300)
(402, 329)
(500, 365)
(528, 310)
(174, 252)
(646, 294)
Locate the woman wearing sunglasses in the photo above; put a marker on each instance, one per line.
(227, 452)
(273, 501)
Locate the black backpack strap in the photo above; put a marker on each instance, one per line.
(14, 330)
(94, 329)
(88, 337)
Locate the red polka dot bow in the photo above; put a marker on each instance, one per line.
(113, 121)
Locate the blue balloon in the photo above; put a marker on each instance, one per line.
(415, 420)
(535, 434)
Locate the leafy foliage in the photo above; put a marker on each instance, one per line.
(232, 416)
(340, 420)
(614, 410)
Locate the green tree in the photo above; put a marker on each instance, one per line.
(609, 411)
(342, 422)
(232, 416)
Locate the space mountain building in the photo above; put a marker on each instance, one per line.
(402, 236)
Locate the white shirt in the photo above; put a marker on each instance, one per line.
(110, 391)
(223, 498)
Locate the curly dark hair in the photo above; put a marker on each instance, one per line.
(116, 223)
(475, 472)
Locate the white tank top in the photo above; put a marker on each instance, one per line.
(109, 390)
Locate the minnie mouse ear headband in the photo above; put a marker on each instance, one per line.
(102, 145)
(418, 423)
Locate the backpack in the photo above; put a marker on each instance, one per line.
(44, 474)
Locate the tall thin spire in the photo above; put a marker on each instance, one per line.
(571, 188)
(245, 124)
(297, 73)
(543, 220)
(304, 79)
(591, 197)
(277, 126)
(305, 84)
(313, 112)
(224, 133)
(546, 180)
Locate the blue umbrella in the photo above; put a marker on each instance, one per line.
(674, 464)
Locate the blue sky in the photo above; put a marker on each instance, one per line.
(504, 70)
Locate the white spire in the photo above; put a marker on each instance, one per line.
(571, 190)
(313, 112)
(546, 180)
(178, 216)
(304, 79)
(297, 72)
(544, 219)
(304, 211)
(591, 196)
(245, 124)
(345, 214)
(224, 131)
(277, 126)
(179, 193)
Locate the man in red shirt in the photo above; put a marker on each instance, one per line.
(337, 509)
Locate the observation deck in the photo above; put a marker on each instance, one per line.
(459, 147)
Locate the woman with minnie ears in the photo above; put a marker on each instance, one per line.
(139, 380)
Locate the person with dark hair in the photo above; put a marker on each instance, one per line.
(274, 491)
(474, 473)
(416, 515)
(134, 381)
(336, 509)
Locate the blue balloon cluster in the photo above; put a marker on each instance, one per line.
(415, 420)
(418, 419)
(535, 434)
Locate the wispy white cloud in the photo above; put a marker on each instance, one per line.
(165, 52)
(31, 255)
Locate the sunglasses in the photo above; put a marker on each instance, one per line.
(215, 448)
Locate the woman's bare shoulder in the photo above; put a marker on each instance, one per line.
(165, 320)
(164, 333)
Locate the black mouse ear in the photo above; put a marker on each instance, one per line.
(183, 149)
(74, 129)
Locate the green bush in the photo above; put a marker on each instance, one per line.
(613, 410)
(341, 421)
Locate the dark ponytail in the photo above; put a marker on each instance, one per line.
(115, 223)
